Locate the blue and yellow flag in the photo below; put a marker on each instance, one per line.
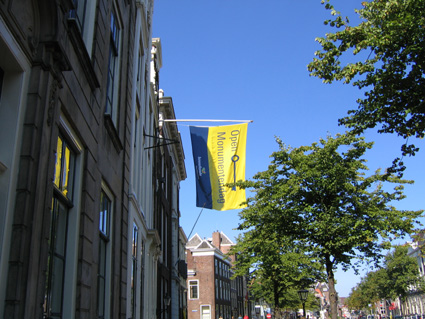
(219, 157)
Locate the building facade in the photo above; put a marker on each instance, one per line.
(85, 220)
(171, 172)
(413, 305)
(179, 301)
(64, 88)
(415, 301)
(212, 292)
(321, 291)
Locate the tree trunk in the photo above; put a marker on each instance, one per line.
(276, 298)
(333, 298)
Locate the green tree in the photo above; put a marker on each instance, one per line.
(385, 57)
(359, 298)
(275, 266)
(318, 198)
(398, 274)
(369, 290)
(356, 300)
(402, 273)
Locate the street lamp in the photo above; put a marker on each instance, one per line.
(303, 294)
(166, 304)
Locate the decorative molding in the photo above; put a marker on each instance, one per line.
(52, 101)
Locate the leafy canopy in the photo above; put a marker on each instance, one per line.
(394, 280)
(276, 267)
(318, 198)
(402, 273)
(387, 61)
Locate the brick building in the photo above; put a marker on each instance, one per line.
(212, 293)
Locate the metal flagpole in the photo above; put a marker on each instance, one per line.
(175, 120)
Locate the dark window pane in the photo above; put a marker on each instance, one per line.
(1, 80)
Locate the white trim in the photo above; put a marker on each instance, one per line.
(189, 290)
(202, 313)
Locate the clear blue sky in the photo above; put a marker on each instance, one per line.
(246, 60)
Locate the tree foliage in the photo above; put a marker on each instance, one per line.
(402, 273)
(368, 291)
(398, 275)
(276, 267)
(387, 61)
(317, 197)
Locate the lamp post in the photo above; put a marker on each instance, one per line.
(166, 303)
(303, 294)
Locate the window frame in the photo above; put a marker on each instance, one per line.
(134, 269)
(142, 276)
(85, 20)
(114, 67)
(1, 80)
(69, 197)
(205, 314)
(105, 238)
(191, 285)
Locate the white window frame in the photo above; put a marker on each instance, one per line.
(207, 314)
(190, 289)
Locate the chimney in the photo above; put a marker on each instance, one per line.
(216, 239)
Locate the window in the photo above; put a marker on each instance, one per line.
(136, 270)
(140, 86)
(164, 236)
(84, 15)
(61, 204)
(166, 299)
(79, 13)
(193, 289)
(137, 157)
(104, 252)
(113, 70)
(1, 80)
(134, 253)
(142, 277)
(216, 289)
(206, 312)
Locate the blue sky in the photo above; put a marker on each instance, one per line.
(247, 60)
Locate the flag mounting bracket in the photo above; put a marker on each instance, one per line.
(168, 141)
